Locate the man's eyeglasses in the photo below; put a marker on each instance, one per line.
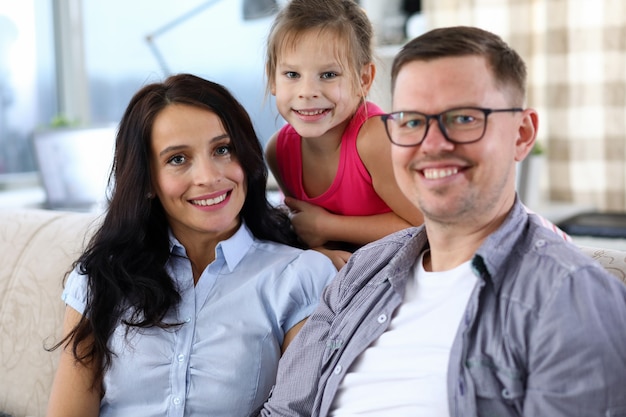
(459, 125)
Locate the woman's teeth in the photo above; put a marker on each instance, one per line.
(210, 201)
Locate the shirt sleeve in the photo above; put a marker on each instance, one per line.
(577, 360)
(75, 291)
(297, 380)
(310, 273)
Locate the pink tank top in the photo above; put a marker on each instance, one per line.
(352, 192)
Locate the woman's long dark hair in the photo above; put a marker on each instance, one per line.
(125, 259)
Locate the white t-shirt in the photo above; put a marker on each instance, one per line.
(403, 373)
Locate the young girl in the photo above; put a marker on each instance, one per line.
(332, 160)
(188, 293)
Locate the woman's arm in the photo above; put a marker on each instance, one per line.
(73, 392)
(291, 333)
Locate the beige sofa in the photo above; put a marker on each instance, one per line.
(37, 248)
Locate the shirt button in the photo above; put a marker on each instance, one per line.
(176, 401)
(337, 369)
(181, 357)
(540, 243)
(188, 319)
(382, 318)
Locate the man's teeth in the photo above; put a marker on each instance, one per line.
(210, 201)
(310, 113)
(434, 174)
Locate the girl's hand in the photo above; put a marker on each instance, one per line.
(309, 221)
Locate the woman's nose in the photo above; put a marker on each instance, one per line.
(207, 172)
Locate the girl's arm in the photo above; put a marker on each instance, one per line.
(317, 226)
(73, 393)
(375, 151)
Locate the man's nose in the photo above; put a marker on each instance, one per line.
(435, 139)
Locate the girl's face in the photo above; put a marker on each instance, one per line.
(314, 86)
(197, 178)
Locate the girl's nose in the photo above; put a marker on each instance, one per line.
(308, 87)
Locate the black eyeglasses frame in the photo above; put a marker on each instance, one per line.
(442, 128)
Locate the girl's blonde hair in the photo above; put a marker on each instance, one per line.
(344, 19)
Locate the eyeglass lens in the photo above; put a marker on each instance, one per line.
(461, 125)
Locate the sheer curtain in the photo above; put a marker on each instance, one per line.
(576, 56)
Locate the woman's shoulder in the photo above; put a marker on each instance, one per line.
(282, 252)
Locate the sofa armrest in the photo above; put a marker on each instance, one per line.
(613, 260)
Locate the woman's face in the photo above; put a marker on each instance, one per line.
(196, 176)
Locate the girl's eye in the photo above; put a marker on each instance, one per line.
(329, 75)
(177, 160)
(291, 74)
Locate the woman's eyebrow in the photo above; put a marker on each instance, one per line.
(180, 147)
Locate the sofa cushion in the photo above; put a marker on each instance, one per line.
(37, 248)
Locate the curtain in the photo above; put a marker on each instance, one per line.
(576, 56)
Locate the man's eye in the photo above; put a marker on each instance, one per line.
(413, 123)
(461, 119)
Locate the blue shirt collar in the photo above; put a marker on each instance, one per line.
(231, 250)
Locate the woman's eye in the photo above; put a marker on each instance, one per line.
(177, 160)
(223, 150)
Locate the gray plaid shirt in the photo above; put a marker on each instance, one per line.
(544, 332)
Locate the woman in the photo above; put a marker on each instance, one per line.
(187, 293)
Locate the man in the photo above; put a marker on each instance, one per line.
(482, 311)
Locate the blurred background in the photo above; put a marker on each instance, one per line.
(69, 67)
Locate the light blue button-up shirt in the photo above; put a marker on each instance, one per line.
(222, 360)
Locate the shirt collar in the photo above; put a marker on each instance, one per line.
(495, 251)
(231, 250)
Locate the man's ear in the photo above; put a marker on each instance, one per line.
(527, 134)
(368, 72)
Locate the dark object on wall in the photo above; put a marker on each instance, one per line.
(611, 225)
(256, 9)
(411, 6)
